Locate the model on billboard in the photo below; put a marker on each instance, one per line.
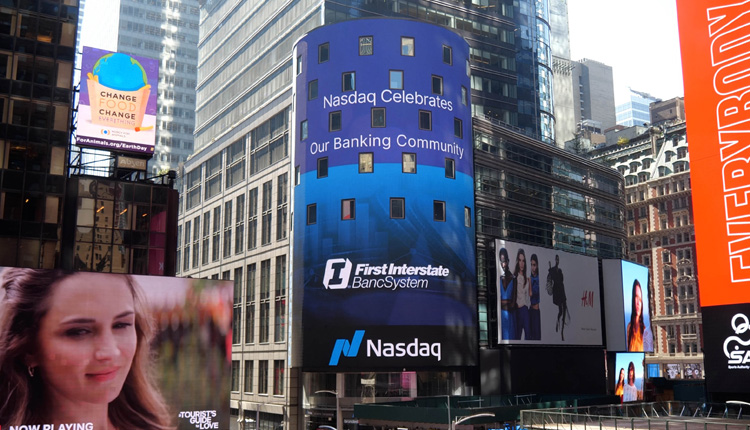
(70, 353)
(507, 298)
(555, 276)
(523, 296)
(630, 392)
(535, 317)
(639, 336)
(620, 387)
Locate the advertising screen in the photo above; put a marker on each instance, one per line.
(95, 351)
(629, 376)
(716, 75)
(384, 262)
(626, 304)
(546, 296)
(117, 107)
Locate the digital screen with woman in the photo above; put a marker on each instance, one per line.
(629, 384)
(99, 351)
(638, 335)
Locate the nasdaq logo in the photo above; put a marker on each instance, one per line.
(346, 348)
(338, 271)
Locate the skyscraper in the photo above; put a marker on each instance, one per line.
(595, 95)
(37, 45)
(633, 108)
(168, 31)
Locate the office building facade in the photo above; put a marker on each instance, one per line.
(167, 31)
(37, 48)
(659, 222)
(632, 108)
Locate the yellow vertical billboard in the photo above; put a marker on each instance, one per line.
(715, 43)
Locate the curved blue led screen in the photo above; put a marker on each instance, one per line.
(384, 246)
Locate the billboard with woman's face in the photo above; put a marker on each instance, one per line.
(546, 296)
(98, 351)
(626, 301)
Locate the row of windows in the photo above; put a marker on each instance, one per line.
(262, 377)
(262, 301)
(367, 164)
(397, 211)
(395, 82)
(367, 47)
(378, 120)
(254, 220)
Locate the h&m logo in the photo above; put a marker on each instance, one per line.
(337, 274)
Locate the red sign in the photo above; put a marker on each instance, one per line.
(715, 41)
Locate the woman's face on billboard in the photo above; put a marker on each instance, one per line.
(87, 340)
(638, 301)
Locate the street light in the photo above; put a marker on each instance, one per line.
(458, 420)
(339, 417)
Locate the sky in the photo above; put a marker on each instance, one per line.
(638, 38)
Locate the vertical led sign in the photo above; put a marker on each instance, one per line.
(716, 68)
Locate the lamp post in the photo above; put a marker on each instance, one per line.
(339, 417)
(458, 420)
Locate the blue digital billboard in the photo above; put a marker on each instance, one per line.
(383, 241)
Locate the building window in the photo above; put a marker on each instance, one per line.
(248, 376)
(347, 209)
(235, 375)
(239, 228)
(464, 96)
(263, 377)
(334, 121)
(250, 321)
(252, 219)
(377, 117)
(227, 229)
(266, 212)
(458, 128)
(398, 207)
(409, 162)
(196, 239)
(312, 90)
(282, 195)
(278, 377)
(425, 120)
(312, 214)
(348, 81)
(303, 130)
(447, 55)
(323, 52)
(366, 162)
(437, 85)
(215, 240)
(206, 251)
(407, 46)
(450, 168)
(438, 210)
(467, 216)
(323, 167)
(396, 79)
(299, 64)
(279, 333)
(365, 45)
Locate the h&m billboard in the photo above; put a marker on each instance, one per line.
(716, 68)
(91, 351)
(117, 107)
(383, 241)
(546, 296)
